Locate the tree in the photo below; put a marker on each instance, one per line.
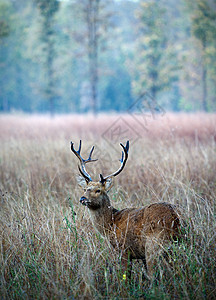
(48, 9)
(204, 29)
(155, 67)
(5, 31)
(4, 19)
(117, 93)
(96, 17)
(92, 20)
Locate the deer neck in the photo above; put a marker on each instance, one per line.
(102, 217)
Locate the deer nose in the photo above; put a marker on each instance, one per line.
(83, 200)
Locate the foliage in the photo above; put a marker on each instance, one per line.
(95, 16)
(155, 61)
(48, 9)
(5, 21)
(204, 29)
(141, 46)
(203, 22)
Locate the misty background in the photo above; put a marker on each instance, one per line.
(95, 56)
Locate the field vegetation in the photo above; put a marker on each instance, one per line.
(48, 246)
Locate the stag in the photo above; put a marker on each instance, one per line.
(138, 233)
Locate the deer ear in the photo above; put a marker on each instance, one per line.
(109, 183)
(81, 181)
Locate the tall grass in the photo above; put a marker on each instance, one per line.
(48, 246)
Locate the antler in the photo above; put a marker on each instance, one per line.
(122, 160)
(83, 161)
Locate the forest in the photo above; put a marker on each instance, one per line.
(80, 56)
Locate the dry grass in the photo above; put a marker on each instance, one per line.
(46, 251)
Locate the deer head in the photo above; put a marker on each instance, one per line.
(95, 193)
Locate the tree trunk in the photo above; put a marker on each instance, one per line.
(92, 21)
(204, 80)
(204, 88)
(49, 67)
(48, 10)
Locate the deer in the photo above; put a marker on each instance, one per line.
(136, 233)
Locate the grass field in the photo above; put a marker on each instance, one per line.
(48, 247)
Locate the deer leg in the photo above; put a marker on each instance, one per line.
(144, 263)
(152, 251)
(126, 263)
(144, 273)
(129, 268)
(157, 259)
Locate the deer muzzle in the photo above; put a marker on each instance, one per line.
(84, 201)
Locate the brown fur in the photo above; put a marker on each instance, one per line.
(138, 233)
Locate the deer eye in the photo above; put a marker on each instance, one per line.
(97, 191)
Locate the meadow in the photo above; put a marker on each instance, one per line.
(48, 246)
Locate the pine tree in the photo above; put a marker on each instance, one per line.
(155, 67)
(5, 30)
(48, 9)
(4, 19)
(204, 29)
(96, 19)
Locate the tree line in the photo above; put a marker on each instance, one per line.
(101, 55)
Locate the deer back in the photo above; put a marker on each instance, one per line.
(132, 226)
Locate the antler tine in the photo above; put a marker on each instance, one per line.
(77, 153)
(123, 161)
(80, 145)
(90, 154)
(83, 161)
